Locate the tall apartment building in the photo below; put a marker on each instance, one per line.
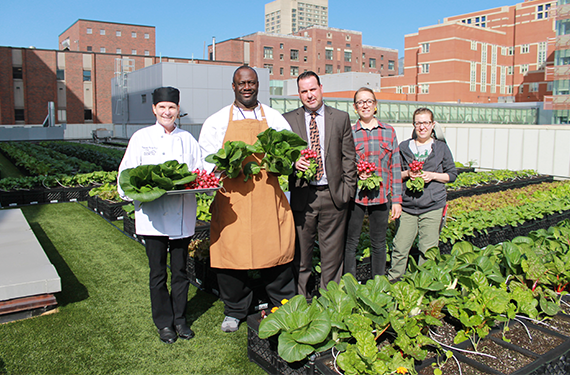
(324, 50)
(290, 16)
(109, 37)
(493, 55)
(559, 73)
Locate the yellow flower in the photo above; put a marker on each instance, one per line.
(275, 308)
(284, 301)
(401, 370)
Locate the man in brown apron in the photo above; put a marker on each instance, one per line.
(252, 224)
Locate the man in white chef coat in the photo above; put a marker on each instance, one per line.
(168, 222)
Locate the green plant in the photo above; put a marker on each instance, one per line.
(230, 157)
(107, 191)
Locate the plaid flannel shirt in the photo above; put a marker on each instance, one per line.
(379, 145)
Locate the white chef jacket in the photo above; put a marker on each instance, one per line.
(214, 128)
(170, 215)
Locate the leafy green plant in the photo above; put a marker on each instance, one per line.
(107, 191)
(282, 149)
(230, 157)
(146, 183)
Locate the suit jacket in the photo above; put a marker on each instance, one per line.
(340, 158)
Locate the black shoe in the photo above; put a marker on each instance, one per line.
(167, 335)
(184, 332)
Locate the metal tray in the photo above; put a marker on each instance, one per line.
(192, 191)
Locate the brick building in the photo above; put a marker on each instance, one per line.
(78, 82)
(289, 16)
(493, 55)
(323, 50)
(109, 37)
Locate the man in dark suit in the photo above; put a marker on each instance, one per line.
(320, 206)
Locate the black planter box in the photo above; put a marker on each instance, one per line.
(493, 188)
(109, 210)
(263, 352)
(202, 276)
(497, 235)
(72, 194)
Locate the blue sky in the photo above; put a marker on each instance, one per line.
(183, 26)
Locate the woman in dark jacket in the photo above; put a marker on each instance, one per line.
(422, 208)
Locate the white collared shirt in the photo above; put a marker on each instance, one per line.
(321, 126)
(170, 215)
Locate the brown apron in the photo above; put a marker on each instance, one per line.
(252, 223)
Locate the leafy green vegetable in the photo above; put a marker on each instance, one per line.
(147, 183)
(371, 183)
(230, 158)
(282, 149)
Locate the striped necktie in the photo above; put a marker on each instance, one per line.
(316, 144)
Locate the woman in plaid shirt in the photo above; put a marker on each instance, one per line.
(376, 143)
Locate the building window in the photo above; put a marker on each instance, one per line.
(133, 34)
(102, 31)
(524, 48)
(424, 68)
(474, 45)
(542, 11)
(118, 33)
(305, 48)
(294, 55)
(328, 69)
(390, 64)
(19, 115)
(347, 69)
(133, 52)
(269, 67)
(294, 71)
(143, 98)
(523, 68)
(281, 46)
(504, 51)
(399, 89)
(347, 56)
(510, 89)
(281, 57)
(521, 89)
(86, 76)
(424, 89)
(88, 115)
(60, 74)
(281, 71)
(412, 89)
(89, 30)
(146, 36)
(473, 76)
(118, 50)
(541, 54)
(146, 53)
(328, 54)
(305, 58)
(425, 47)
(329, 43)
(89, 49)
(102, 50)
(371, 63)
(62, 115)
(17, 72)
(347, 45)
(549, 86)
(268, 53)
(533, 87)
(510, 70)
(511, 51)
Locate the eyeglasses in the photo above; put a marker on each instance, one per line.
(360, 103)
(425, 124)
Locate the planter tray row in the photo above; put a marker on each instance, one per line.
(555, 361)
(498, 235)
(109, 210)
(17, 198)
(493, 188)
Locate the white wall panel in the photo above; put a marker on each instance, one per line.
(514, 153)
(545, 151)
(530, 149)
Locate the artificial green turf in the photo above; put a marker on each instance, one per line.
(104, 322)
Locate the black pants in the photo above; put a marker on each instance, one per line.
(237, 296)
(378, 217)
(168, 309)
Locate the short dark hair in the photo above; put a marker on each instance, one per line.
(306, 75)
(244, 67)
(420, 111)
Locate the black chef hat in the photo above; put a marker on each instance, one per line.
(166, 94)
